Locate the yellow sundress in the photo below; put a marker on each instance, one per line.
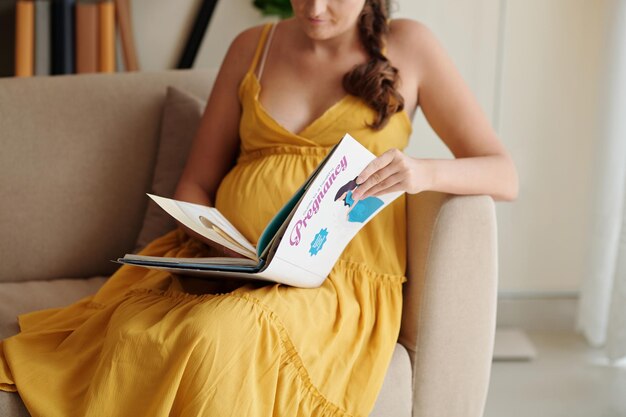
(142, 346)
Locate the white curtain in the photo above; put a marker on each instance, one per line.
(602, 307)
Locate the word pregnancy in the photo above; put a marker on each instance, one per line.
(314, 206)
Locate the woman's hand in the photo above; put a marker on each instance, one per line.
(392, 171)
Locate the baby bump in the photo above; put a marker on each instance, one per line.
(253, 191)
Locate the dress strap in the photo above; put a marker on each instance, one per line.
(262, 48)
(265, 51)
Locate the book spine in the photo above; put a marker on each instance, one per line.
(86, 37)
(42, 37)
(122, 9)
(106, 26)
(62, 24)
(119, 59)
(24, 38)
(7, 38)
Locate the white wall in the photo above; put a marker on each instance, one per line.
(161, 28)
(469, 32)
(536, 68)
(554, 63)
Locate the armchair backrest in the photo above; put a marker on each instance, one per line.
(77, 157)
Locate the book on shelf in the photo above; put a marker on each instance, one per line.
(66, 37)
(106, 36)
(86, 36)
(24, 38)
(303, 241)
(62, 36)
(124, 22)
(42, 37)
(7, 38)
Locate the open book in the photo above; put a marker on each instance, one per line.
(301, 244)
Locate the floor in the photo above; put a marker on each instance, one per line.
(567, 378)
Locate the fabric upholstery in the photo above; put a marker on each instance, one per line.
(396, 396)
(181, 117)
(448, 323)
(11, 405)
(22, 297)
(78, 153)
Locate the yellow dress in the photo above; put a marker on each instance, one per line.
(142, 346)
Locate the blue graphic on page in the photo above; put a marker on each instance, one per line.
(363, 208)
(318, 242)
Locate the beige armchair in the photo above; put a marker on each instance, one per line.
(78, 153)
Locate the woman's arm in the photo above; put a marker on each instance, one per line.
(482, 164)
(216, 144)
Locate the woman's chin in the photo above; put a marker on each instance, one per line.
(317, 32)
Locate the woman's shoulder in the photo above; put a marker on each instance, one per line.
(412, 44)
(241, 51)
(409, 35)
(247, 40)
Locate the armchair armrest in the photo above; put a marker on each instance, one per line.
(449, 311)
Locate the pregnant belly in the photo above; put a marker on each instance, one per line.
(253, 192)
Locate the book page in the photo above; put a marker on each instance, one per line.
(328, 217)
(279, 271)
(201, 260)
(208, 222)
(302, 243)
(277, 224)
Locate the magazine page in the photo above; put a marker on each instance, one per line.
(307, 235)
(208, 222)
(279, 271)
(327, 217)
(278, 223)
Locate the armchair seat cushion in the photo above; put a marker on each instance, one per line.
(396, 396)
(24, 297)
(11, 405)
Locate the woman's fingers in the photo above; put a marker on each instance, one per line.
(374, 180)
(378, 163)
(389, 184)
(377, 174)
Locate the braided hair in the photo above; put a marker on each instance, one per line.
(375, 81)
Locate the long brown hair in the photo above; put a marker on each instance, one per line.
(375, 81)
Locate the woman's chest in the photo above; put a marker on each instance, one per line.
(297, 99)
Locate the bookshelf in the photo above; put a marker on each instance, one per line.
(50, 37)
